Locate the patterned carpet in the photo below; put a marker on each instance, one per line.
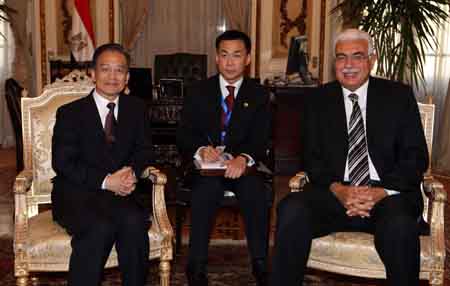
(228, 262)
(228, 267)
(231, 273)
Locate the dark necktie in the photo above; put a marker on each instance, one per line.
(110, 124)
(358, 162)
(229, 101)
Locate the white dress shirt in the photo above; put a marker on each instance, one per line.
(102, 107)
(362, 101)
(223, 86)
(224, 91)
(103, 110)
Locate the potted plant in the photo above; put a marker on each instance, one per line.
(5, 13)
(401, 29)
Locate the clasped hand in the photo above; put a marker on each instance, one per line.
(122, 182)
(234, 167)
(358, 201)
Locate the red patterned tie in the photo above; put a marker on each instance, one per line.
(110, 124)
(230, 98)
(229, 101)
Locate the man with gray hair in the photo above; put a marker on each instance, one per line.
(364, 155)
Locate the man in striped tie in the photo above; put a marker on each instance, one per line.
(365, 155)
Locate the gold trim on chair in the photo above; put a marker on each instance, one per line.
(353, 253)
(41, 245)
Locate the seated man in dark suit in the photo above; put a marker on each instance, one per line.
(100, 143)
(230, 110)
(365, 155)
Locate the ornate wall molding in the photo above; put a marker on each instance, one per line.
(287, 24)
(271, 54)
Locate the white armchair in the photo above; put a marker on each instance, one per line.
(353, 253)
(41, 245)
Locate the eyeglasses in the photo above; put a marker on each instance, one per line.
(356, 57)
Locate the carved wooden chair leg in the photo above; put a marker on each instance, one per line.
(22, 280)
(34, 280)
(437, 278)
(164, 272)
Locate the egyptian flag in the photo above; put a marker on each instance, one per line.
(82, 39)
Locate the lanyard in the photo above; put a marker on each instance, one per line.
(227, 112)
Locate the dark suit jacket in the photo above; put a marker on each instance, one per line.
(80, 155)
(395, 137)
(249, 128)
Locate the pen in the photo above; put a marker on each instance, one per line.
(210, 141)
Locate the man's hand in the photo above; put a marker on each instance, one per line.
(343, 193)
(358, 201)
(210, 154)
(122, 182)
(367, 197)
(235, 167)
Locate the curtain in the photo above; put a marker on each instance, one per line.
(437, 74)
(134, 17)
(6, 57)
(237, 14)
(179, 26)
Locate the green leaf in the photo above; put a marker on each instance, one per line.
(402, 31)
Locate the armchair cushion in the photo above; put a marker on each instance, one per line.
(354, 253)
(49, 244)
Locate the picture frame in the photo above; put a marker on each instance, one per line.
(49, 29)
(272, 50)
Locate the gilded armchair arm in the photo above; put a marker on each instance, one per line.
(23, 182)
(297, 182)
(160, 217)
(22, 185)
(438, 198)
(435, 190)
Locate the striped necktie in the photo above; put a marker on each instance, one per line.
(358, 159)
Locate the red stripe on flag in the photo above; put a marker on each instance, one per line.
(83, 9)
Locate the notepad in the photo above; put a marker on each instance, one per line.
(217, 165)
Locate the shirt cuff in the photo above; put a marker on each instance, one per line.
(197, 153)
(250, 161)
(391, 192)
(104, 182)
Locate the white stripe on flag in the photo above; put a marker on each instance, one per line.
(82, 45)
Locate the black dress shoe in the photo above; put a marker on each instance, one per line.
(196, 279)
(260, 272)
